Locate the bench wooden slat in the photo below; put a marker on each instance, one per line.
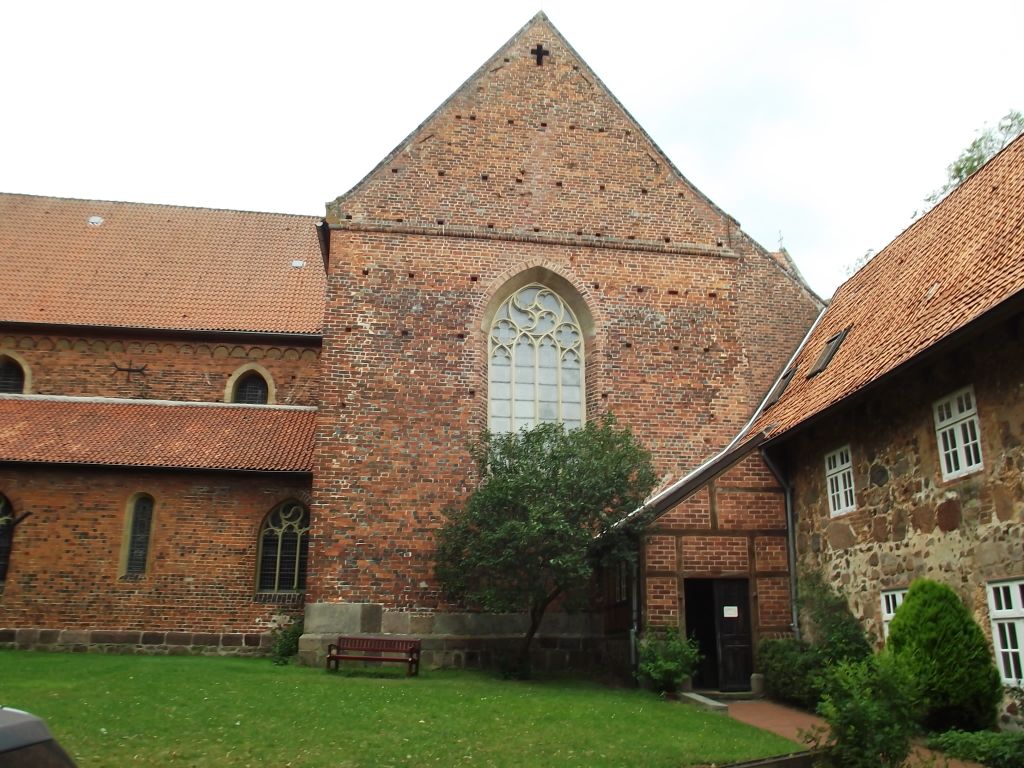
(367, 645)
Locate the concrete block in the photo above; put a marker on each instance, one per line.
(343, 618)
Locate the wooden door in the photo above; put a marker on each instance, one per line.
(732, 624)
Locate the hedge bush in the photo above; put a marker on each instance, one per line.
(870, 711)
(835, 631)
(995, 749)
(285, 642)
(667, 658)
(937, 641)
(792, 671)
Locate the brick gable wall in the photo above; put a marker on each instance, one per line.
(525, 169)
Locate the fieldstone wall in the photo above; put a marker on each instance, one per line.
(909, 522)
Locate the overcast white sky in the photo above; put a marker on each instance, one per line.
(825, 122)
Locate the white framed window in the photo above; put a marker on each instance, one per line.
(839, 481)
(891, 600)
(958, 434)
(1006, 610)
(535, 353)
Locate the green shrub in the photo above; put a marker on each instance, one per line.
(285, 642)
(667, 658)
(792, 671)
(945, 653)
(870, 712)
(834, 630)
(995, 749)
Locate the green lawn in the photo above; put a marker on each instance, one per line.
(190, 711)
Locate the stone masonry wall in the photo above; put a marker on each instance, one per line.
(176, 369)
(733, 527)
(198, 590)
(909, 522)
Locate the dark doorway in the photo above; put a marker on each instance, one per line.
(718, 618)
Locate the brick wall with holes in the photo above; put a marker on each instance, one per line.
(66, 558)
(731, 527)
(161, 369)
(405, 383)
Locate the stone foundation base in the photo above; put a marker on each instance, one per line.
(471, 640)
(137, 642)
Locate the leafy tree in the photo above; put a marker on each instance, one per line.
(938, 642)
(989, 141)
(542, 517)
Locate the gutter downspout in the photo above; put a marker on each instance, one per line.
(790, 540)
(634, 627)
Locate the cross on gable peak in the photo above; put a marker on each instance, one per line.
(539, 52)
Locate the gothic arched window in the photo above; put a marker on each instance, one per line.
(251, 389)
(12, 376)
(284, 546)
(6, 535)
(535, 354)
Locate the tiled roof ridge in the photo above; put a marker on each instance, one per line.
(877, 261)
(61, 198)
(955, 266)
(164, 403)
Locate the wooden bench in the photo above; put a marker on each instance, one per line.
(363, 648)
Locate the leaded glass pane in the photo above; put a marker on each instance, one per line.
(284, 546)
(251, 389)
(6, 536)
(138, 539)
(12, 378)
(535, 342)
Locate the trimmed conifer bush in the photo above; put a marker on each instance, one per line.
(936, 640)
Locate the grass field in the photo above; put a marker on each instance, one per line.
(192, 711)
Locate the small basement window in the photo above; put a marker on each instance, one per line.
(831, 347)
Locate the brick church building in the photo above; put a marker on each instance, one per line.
(214, 421)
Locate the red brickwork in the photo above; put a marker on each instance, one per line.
(660, 553)
(662, 600)
(694, 512)
(751, 510)
(176, 369)
(66, 555)
(773, 602)
(750, 473)
(715, 555)
(745, 502)
(770, 553)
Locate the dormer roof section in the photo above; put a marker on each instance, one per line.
(534, 143)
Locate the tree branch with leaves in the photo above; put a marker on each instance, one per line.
(542, 518)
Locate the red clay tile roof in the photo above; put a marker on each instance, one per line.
(959, 261)
(139, 433)
(158, 266)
